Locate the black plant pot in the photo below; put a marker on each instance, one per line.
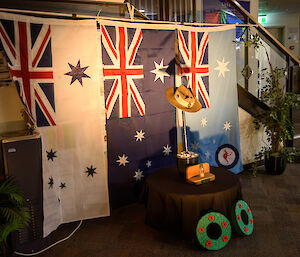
(275, 165)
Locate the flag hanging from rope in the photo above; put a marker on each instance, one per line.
(55, 64)
(208, 67)
(141, 124)
(193, 49)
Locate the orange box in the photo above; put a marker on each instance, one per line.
(199, 174)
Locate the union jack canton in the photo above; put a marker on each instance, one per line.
(122, 71)
(195, 66)
(28, 50)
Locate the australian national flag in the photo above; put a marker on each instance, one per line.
(28, 50)
(141, 127)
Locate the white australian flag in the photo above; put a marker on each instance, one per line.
(141, 126)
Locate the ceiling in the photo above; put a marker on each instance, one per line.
(272, 6)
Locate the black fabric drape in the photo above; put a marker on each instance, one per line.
(176, 205)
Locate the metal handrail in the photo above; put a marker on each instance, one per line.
(263, 31)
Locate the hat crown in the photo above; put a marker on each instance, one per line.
(183, 98)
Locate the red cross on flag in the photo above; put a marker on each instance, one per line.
(195, 63)
(122, 71)
(33, 79)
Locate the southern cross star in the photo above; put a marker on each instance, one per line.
(227, 125)
(138, 175)
(159, 71)
(62, 185)
(51, 182)
(122, 160)
(204, 122)
(167, 150)
(148, 163)
(51, 155)
(207, 155)
(90, 171)
(139, 135)
(195, 146)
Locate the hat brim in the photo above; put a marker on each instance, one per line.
(170, 96)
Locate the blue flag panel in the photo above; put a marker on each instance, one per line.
(141, 127)
(214, 132)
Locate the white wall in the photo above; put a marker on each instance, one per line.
(287, 21)
(252, 140)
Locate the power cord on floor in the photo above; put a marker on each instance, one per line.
(60, 241)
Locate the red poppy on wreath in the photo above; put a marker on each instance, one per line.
(224, 224)
(201, 230)
(251, 221)
(240, 205)
(248, 210)
(208, 243)
(225, 238)
(239, 217)
(246, 230)
(211, 217)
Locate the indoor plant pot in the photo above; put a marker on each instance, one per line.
(275, 164)
(276, 120)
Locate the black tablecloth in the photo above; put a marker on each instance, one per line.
(177, 205)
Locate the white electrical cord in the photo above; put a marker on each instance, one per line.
(60, 241)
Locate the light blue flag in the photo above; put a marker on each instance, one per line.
(213, 132)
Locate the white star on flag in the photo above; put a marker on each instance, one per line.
(207, 155)
(167, 150)
(159, 71)
(139, 135)
(204, 122)
(138, 175)
(122, 160)
(148, 163)
(195, 146)
(222, 67)
(227, 125)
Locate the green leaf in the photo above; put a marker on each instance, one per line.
(14, 214)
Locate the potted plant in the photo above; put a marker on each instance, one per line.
(14, 214)
(277, 119)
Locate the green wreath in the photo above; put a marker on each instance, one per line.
(213, 231)
(242, 218)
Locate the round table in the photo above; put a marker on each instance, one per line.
(173, 204)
